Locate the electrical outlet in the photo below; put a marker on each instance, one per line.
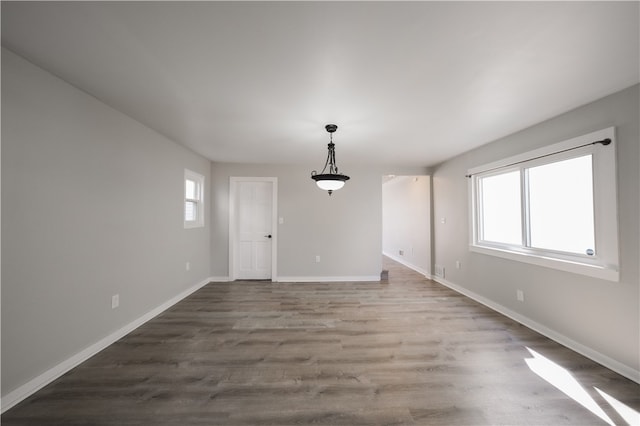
(520, 295)
(439, 271)
(401, 252)
(188, 266)
(458, 264)
(115, 301)
(317, 259)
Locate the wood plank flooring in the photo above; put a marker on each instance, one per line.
(406, 352)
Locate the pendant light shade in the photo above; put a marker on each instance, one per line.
(330, 184)
(332, 180)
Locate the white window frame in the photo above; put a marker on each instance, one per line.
(198, 200)
(604, 264)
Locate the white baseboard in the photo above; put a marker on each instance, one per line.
(308, 279)
(24, 391)
(404, 262)
(590, 353)
(32, 386)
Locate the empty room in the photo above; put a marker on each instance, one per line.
(328, 213)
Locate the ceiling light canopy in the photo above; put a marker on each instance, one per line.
(332, 180)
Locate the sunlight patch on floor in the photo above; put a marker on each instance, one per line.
(629, 415)
(565, 382)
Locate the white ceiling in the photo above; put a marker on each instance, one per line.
(407, 83)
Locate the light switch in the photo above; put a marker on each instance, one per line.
(115, 301)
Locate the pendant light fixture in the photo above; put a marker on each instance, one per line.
(332, 180)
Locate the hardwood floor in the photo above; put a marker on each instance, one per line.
(406, 352)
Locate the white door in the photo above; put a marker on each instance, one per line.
(254, 230)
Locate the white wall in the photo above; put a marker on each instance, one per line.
(599, 318)
(345, 230)
(406, 221)
(92, 205)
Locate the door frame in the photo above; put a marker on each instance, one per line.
(233, 237)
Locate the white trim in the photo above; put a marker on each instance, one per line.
(351, 278)
(274, 223)
(37, 383)
(586, 351)
(402, 261)
(605, 264)
(17, 395)
(595, 271)
(307, 279)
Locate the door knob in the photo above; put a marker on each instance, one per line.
(268, 236)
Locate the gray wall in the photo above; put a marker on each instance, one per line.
(92, 206)
(406, 221)
(601, 315)
(345, 230)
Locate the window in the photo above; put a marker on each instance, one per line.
(501, 216)
(554, 207)
(193, 199)
(561, 206)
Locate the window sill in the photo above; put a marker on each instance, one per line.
(595, 271)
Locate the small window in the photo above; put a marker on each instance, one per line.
(193, 199)
(553, 207)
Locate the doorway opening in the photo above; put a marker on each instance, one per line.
(406, 221)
